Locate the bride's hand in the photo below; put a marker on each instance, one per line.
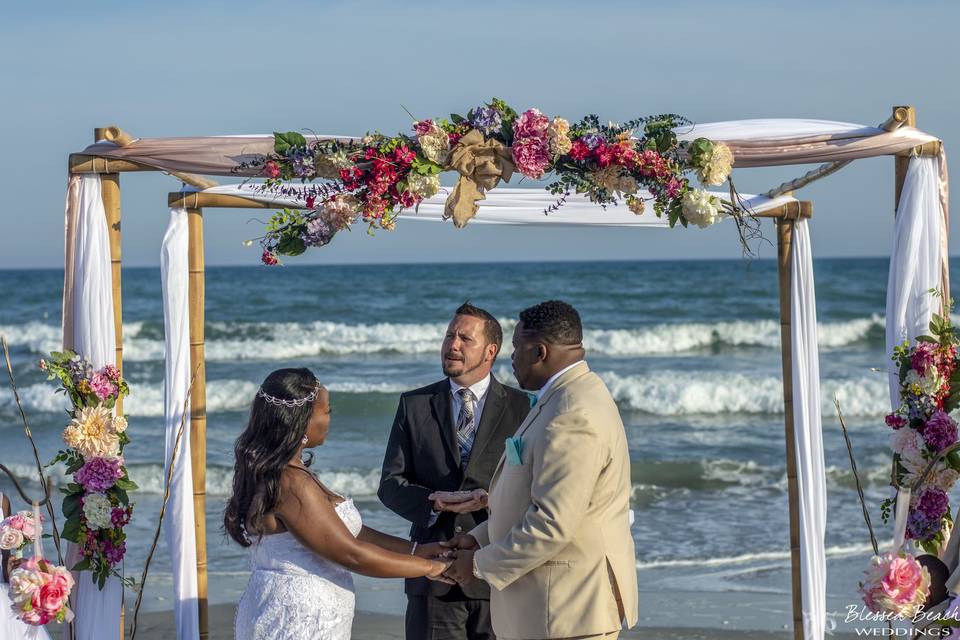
(430, 550)
(437, 569)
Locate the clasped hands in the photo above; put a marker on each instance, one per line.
(457, 556)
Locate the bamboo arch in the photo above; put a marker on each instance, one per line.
(784, 216)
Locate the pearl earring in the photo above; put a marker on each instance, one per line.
(303, 440)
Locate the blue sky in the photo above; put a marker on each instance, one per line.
(176, 68)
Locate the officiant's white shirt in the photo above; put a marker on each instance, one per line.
(479, 390)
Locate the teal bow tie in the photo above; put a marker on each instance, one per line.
(533, 399)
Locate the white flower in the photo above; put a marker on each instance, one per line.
(119, 424)
(23, 584)
(423, 186)
(10, 538)
(96, 509)
(907, 442)
(716, 166)
(435, 145)
(700, 208)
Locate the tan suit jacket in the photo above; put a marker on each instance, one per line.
(557, 548)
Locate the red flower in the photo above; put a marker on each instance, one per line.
(408, 200)
(673, 187)
(623, 154)
(268, 258)
(454, 138)
(370, 153)
(310, 201)
(403, 155)
(579, 150)
(270, 170)
(603, 155)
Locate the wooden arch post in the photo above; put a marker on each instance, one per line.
(198, 408)
(785, 227)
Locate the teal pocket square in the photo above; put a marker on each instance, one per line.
(514, 450)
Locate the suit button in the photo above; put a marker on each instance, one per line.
(458, 529)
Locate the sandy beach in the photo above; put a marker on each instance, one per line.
(158, 625)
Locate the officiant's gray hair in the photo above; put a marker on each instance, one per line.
(491, 326)
(553, 321)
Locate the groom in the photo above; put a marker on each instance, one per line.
(557, 548)
(448, 437)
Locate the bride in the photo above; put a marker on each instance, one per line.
(304, 539)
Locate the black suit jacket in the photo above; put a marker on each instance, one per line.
(423, 456)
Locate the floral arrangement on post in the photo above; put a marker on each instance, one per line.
(97, 505)
(377, 177)
(40, 591)
(924, 438)
(925, 460)
(17, 531)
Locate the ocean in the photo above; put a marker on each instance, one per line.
(689, 349)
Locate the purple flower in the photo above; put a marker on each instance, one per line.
(302, 163)
(486, 119)
(932, 503)
(940, 431)
(114, 553)
(919, 527)
(592, 140)
(79, 369)
(924, 355)
(99, 474)
(319, 232)
(119, 517)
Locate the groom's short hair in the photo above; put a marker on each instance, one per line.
(553, 321)
(491, 326)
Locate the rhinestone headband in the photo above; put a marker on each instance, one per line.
(299, 402)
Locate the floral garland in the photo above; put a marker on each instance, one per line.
(375, 178)
(97, 506)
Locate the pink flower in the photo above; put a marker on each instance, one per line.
(268, 258)
(52, 596)
(112, 372)
(270, 170)
(531, 156)
(531, 124)
(16, 521)
(895, 584)
(924, 355)
(102, 386)
(902, 580)
(673, 187)
(423, 127)
(404, 155)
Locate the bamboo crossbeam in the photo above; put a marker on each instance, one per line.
(198, 407)
(784, 253)
(80, 163)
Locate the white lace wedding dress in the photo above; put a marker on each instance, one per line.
(295, 594)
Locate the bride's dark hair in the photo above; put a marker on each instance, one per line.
(271, 439)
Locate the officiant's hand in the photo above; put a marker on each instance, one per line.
(462, 568)
(475, 501)
(461, 541)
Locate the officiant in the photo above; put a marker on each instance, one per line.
(448, 437)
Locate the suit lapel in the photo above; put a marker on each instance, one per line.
(443, 413)
(493, 408)
(562, 381)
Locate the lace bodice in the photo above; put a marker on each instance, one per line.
(295, 594)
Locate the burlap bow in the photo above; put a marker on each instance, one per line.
(481, 164)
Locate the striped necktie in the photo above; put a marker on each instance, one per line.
(466, 424)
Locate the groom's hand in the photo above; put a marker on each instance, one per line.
(431, 550)
(461, 541)
(462, 568)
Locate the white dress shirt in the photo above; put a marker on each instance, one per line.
(479, 390)
(549, 383)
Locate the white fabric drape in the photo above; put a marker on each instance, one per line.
(916, 267)
(93, 336)
(506, 205)
(179, 515)
(915, 261)
(811, 477)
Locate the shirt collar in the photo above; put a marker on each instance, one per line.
(549, 383)
(478, 388)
